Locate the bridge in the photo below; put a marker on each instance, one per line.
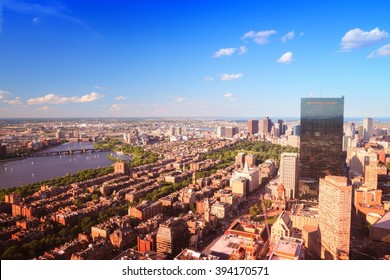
(69, 152)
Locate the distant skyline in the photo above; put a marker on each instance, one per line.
(191, 58)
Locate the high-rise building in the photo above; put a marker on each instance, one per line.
(172, 131)
(172, 236)
(240, 159)
(335, 199)
(250, 159)
(265, 125)
(368, 128)
(349, 130)
(296, 130)
(289, 173)
(231, 131)
(253, 126)
(321, 137)
(280, 127)
(220, 131)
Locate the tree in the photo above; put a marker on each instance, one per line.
(388, 167)
(12, 253)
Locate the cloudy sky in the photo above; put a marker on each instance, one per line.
(191, 58)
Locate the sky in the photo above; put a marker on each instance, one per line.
(188, 58)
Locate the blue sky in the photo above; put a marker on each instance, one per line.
(191, 58)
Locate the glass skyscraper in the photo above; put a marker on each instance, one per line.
(321, 137)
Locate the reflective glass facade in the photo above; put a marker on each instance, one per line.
(321, 137)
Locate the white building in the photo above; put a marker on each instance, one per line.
(289, 172)
(368, 128)
(252, 174)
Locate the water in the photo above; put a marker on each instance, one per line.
(34, 169)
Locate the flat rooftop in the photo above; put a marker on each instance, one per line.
(287, 249)
(223, 246)
(383, 222)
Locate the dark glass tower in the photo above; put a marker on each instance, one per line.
(321, 137)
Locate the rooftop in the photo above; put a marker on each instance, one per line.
(224, 246)
(384, 222)
(287, 248)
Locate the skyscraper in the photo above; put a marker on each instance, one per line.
(368, 127)
(253, 126)
(220, 131)
(335, 199)
(289, 172)
(265, 125)
(321, 137)
(280, 127)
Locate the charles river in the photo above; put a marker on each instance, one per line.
(33, 169)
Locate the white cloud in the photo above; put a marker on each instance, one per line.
(289, 36)
(52, 98)
(381, 52)
(242, 50)
(118, 98)
(357, 38)
(229, 96)
(228, 77)
(15, 101)
(118, 107)
(260, 37)
(208, 78)
(87, 98)
(286, 58)
(224, 52)
(179, 99)
(36, 20)
(44, 108)
(3, 94)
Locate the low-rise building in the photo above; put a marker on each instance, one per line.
(146, 210)
(288, 248)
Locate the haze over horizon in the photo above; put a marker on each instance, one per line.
(175, 58)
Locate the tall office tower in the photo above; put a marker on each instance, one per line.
(172, 131)
(172, 236)
(231, 131)
(220, 131)
(321, 137)
(349, 130)
(265, 125)
(280, 126)
(253, 126)
(368, 127)
(334, 213)
(289, 173)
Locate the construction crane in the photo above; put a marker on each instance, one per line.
(266, 220)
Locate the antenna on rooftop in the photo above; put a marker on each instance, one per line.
(321, 93)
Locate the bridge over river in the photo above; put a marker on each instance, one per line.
(69, 152)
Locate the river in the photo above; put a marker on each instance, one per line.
(33, 169)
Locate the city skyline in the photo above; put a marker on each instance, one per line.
(191, 59)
